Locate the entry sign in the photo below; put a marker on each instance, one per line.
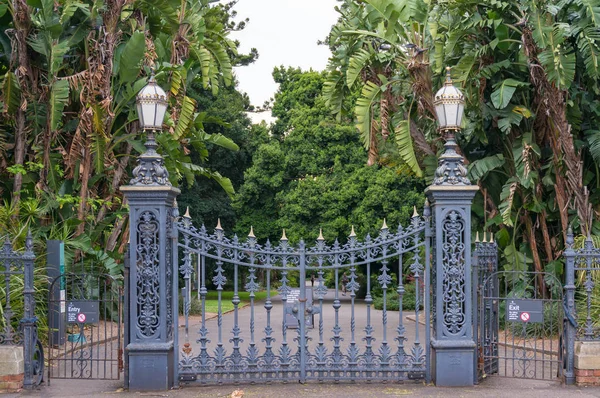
(525, 310)
(82, 312)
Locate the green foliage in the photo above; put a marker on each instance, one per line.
(314, 176)
(69, 132)
(392, 302)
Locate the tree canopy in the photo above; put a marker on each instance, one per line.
(310, 174)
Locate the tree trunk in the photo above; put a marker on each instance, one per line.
(551, 126)
(537, 263)
(22, 22)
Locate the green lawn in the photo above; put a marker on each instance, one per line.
(212, 303)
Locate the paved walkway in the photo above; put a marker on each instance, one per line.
(492, 387)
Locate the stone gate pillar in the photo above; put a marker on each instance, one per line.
(151, 200)
(452, 345)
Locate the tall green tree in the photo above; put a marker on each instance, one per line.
(313, 176)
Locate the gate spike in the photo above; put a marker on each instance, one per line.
(251, 234)
(384, 226)
(415, 212)
(218, 227)
(491, 237)
(29, 241)
(187, 212)
(283, 237)
(320, 234)
(477, 237)
(484, 237)
(352, 233)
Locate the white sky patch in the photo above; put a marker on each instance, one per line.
(285, 32)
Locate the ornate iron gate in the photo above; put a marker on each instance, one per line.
(486, 318)
(273, 340)
(89, 344)
(521, 325)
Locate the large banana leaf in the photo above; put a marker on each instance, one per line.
(558, 58)
(369, 96)
(186, 117)
(405, 147)
(356, 64)
(479, 168)
(504, 91)
(59, 96)
(131, 57)
(11, 93)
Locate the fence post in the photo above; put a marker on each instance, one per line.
(569, 334)
(29, 321)
(151, 313)
(452, 344)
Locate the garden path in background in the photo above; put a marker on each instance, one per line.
(344, 319)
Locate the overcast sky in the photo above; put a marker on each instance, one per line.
(285, 32)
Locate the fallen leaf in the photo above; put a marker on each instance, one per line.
(237, 394)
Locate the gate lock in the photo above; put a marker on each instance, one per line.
(310, 311)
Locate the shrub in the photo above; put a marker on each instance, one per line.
(408, 299)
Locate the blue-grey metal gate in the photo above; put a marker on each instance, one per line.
(350, 340)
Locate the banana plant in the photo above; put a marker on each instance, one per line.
(380, 50)
(68, 87)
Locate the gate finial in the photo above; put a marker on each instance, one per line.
(570, 241)
(187, 213)
(283, 237)
(29, 242)
(352, 233)
(415, 212)
(251, 234)
(491, 237)
(384, 226)
(320, 238)
(218, 227)
(477, 237)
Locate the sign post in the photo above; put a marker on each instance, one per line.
(55, 268)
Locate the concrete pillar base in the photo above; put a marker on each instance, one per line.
(151, 366)
(452, 363)
(11, 368)
(587, 362)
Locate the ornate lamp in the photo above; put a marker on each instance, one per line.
(151, 104)
(449, 104)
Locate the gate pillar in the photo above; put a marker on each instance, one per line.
(150, 322)
(452, 345)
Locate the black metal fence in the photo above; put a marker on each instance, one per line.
(19, 323)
